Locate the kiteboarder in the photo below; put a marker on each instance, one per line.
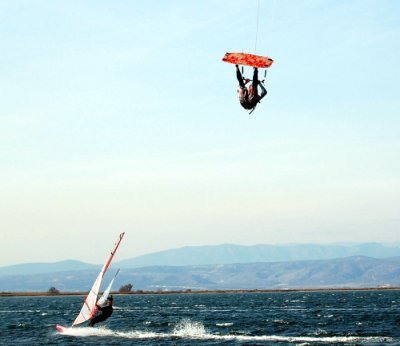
(105, 312)
(249, 97)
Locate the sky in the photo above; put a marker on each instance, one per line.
(120, 116)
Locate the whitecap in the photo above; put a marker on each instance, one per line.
(187, 329)
(227, 324)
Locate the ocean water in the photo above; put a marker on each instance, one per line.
(282, 318)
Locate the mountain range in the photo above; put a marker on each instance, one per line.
(219, 254)
(224, 266)
(231, 253)
(350, 272)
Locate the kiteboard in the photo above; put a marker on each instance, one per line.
(248, 60)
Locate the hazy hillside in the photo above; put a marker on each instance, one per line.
(230, 253)
(345, 272)
(219, 254)
(38, 268)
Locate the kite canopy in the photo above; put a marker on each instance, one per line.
(248, 60)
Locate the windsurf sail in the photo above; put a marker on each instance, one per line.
(89, 306)
(106, 293)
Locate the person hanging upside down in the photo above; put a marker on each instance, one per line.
(105, 312)
(249, 97)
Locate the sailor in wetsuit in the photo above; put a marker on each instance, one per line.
(249, 97)
(104, 312)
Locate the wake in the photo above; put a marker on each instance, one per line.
(187, 329)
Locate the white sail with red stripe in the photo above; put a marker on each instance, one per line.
(106, 293)
(89, 306)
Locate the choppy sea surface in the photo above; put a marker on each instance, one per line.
(282, 318)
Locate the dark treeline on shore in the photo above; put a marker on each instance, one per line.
(189, 291)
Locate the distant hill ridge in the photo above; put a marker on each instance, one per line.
(349, 272)
(231, 253)
(45, 267)
(220, 254)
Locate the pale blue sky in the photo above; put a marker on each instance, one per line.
(120, 116)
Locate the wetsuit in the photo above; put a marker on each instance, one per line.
(249, 97)
(105, 312)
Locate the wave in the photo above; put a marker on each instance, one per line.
(187, 329)
(226, 324)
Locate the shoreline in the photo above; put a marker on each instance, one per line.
(188, 291)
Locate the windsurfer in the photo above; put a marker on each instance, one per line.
(104, 312)
(249, 97)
